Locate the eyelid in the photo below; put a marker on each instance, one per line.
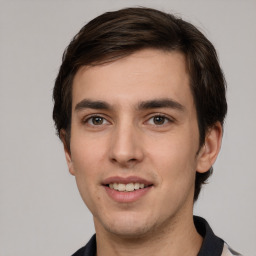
(152, 115)
(167, 117)
(88, 117)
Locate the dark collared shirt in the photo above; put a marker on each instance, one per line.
(212, 245)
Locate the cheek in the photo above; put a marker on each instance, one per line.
(87, 178)
(87, 157)
(175, 160)
(179, 152)
(87, 152)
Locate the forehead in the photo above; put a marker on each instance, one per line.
(141, 76)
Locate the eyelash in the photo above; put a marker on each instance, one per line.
(86, 120)
(166, 120)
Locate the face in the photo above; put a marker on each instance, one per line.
(134, 142)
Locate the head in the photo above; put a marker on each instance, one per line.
(116, 35)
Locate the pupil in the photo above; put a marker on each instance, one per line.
(159, 120)
(97, 120)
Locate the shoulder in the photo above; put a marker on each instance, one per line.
(228, 251)
(89, 249)
(79, 252)
(212, 244)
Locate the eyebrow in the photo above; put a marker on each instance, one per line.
(161, 103)
(144, 105)
(92, 104)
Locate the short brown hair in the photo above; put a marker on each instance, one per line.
(114, 35)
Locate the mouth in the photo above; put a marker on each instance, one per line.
(127, 189)
(122, 187)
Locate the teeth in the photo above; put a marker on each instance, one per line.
(126, 187)
(121, 187)
(115, 186)
(137, 185)
(129, 187)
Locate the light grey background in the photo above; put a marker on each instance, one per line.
(41, 212)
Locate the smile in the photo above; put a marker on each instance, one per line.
(127, 189)
(121, 187)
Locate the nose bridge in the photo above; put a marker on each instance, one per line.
(125, 144)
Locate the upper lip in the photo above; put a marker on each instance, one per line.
(126, 180)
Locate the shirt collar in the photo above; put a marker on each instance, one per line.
(212, 245)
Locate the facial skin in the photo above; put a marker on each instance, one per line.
(129, 136)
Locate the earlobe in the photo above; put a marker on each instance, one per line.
(210, 150)
(67, 151)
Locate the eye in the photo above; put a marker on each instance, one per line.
(159, 120)
(96, 121)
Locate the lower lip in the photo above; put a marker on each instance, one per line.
(127, 197)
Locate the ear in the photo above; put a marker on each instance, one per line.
(63, 136)
(210, 150)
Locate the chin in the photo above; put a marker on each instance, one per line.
(129, 226)
(126, 231)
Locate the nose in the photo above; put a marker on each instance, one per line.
(126, 146)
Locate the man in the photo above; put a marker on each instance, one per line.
(139, 106)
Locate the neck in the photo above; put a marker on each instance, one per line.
(176, 238)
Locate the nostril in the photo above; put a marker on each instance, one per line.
(123, 160)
